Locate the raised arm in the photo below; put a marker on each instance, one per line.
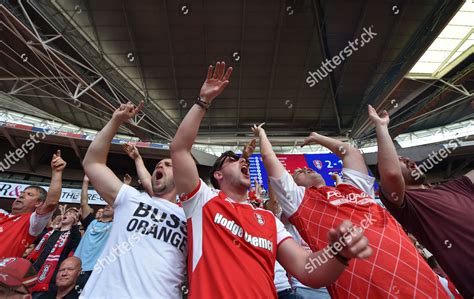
(346, 241)
(143, 175)
(272, 164)
(391, 177)
(54, 191)
(185, 172)
(85, 208)
(105, 181)
(350, 156)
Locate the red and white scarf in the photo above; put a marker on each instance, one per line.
(46, 273)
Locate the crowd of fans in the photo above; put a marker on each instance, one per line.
(184, 238)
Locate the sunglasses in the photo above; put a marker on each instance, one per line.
(233, 157)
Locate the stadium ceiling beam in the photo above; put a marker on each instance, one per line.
(136, 54)
(317, 11)
(419, 42)
(172, 59)
(463, 165)
(276, 49)
(305, 68)
(48, 10)
(90, 16)
(14, 144)
(241, 63)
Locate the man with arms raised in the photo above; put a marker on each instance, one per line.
(145, 254)
(395, 268)
(233, 246)
(96, 234)
(31, 211)
(441, 218)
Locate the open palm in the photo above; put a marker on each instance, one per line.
(217, 79)
(382, 119)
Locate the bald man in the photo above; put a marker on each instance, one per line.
(66, 280)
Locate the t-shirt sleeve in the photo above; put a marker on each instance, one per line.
(288, 194)
(38, 222)
(87, 221)
(194, 201)
(282, 233)
(404, 214)
(125, 193)
(462, 185)
(359, 180)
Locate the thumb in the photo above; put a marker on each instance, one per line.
(305, 142)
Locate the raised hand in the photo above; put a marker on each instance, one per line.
(131, 150)
(62, 209)
(378, 120)
(249, 149)
(127, 111)
(217, 79)
(258, 129)
(337, 179)
(57, 163)
(127, 179)
(349, 241)
(311, 139)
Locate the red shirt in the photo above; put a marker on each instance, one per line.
(232, 246)
(17, 232)
(395, 268)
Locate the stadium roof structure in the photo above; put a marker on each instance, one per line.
(76, 61)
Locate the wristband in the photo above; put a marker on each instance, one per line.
(203, 104)
(343, 260)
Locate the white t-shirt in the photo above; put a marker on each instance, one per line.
(296, 236)
(281, 279)
(145, 254)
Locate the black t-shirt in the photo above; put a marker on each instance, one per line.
(73, 294)
(86, 221)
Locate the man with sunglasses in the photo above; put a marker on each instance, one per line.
(233, 246)
(395, 269)
(439, 217)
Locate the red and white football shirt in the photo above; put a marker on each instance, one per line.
(232, 246)
(17, 232)
(395, 268)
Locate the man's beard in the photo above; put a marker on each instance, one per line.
(163, 188)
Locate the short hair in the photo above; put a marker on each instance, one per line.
(42, 192)
(216, 167)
